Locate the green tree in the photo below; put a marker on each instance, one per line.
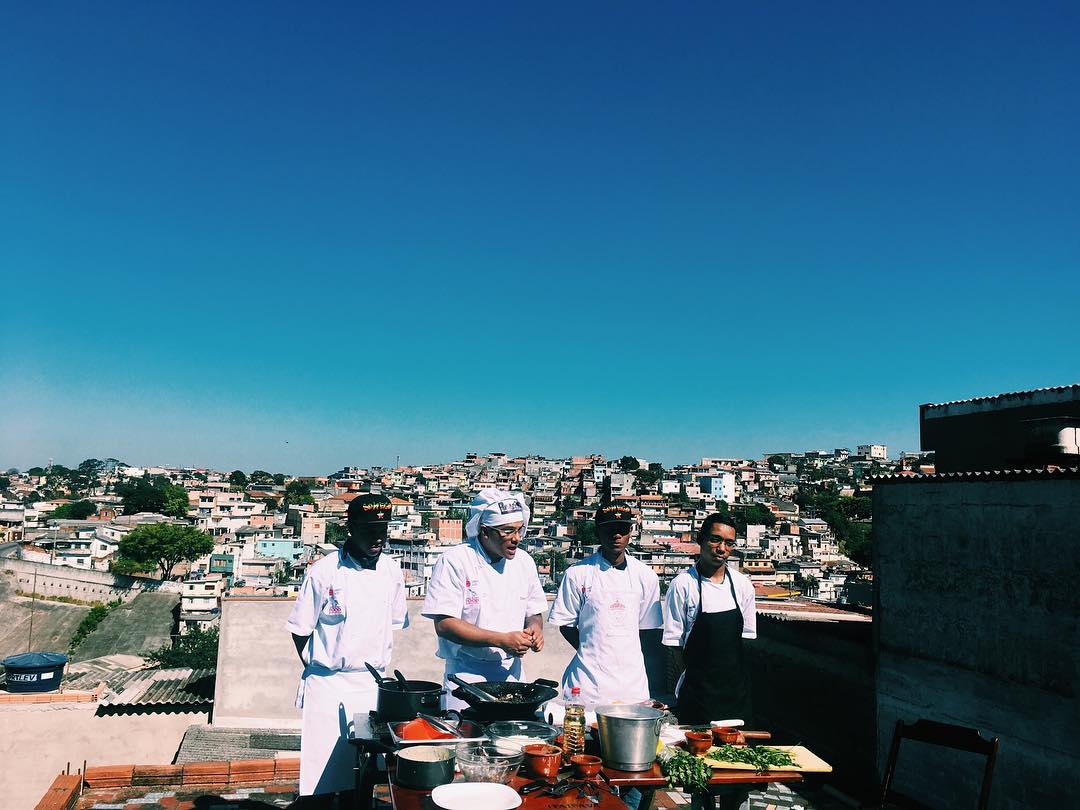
(165, 544)
(585, 533)
(629, 464)
(279, 479)
(336, 533)
(777, 461)
(298, 492)
(261, 477)
(197, 649)
(238, 479)
(77, 510)
(646, 479)
(176, 503)
(858, 544)
(36, 472)
(271, 504)
(458, 495)
(5, 482)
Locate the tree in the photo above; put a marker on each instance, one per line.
(176, 503)
(271, 503)
(35, 472)
(458, 495)
(646, 479)
(165, 544)
(585, 533)
(297, 492)
(5, 482)
(238, 479)
(629, 464)
(78, 510)
(261, 477)
(777, 461)
(858, 544)
(198, 650)
(336, 533)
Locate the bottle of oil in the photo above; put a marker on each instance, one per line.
(574, 725)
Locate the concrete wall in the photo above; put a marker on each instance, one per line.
(977, 624)
(39, 741)
(84, 584)
(813, 684)
(258, 671)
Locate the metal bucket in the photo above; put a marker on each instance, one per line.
(629, 735)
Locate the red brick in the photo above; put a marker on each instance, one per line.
(62, 794)
(109, 776)
(279, 789)
(206, 773)
(158, 775)
(251, 770)
(286, 770)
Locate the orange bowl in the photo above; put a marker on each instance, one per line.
(586, 766)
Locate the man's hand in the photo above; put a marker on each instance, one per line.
(537, 636)
(517, 643)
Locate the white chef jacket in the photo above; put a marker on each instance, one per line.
(608, 606)
(681, 604)
(495, 596)
(350, 613)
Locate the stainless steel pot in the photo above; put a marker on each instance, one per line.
(425, 767)
(629, 735)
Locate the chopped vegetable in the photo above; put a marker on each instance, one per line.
(684, 770)
(760, 756)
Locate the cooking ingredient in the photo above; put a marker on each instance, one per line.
(683, 769)
(574, 725)
(425, 753)
(760, 756)
(420, 729)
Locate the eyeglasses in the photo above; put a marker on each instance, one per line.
(719, 541)
(506, 532)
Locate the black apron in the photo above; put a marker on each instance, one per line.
(717, 684)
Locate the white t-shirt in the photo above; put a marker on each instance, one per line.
(349, 612)
(681, 604)
(494, 596)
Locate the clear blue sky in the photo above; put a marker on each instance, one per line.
(299, 236)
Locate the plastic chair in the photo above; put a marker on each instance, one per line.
(948, 736)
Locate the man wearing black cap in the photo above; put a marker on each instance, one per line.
(604, 603)
(348, 606)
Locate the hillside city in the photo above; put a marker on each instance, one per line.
(803, 518)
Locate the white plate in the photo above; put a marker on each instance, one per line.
(475, 796)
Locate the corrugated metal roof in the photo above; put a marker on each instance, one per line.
(1006, 395)
(984, 475)
(158, 687)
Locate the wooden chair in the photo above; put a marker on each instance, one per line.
(948, 736)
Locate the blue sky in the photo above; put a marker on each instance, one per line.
(297, 237)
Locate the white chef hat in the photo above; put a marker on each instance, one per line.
(496, 507)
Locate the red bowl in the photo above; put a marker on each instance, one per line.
(542, 760)
(698, 742)
(725, 735)
(586, 766)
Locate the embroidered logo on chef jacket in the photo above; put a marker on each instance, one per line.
(334, 607)
(472, 596)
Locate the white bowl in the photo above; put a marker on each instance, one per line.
(475, 796)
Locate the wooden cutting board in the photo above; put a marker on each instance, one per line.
(805, 760)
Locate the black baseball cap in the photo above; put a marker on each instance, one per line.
(369, 509)
(614, 513)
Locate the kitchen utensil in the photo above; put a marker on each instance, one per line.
(542, 760)
(629, 735)
(518, 733)
(698, 742)
(379, 679)
(607, 780)
(473, 690)
(470, 732)
(475, 796)
(513, 700)
(586, 766)
(425, 766)
(441, 725)
(487, 762)
(806, 761)
(402, 702)
(401, 679)
(584, 793)
(539, 784)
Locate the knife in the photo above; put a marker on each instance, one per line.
(532, 787)
(607, 779)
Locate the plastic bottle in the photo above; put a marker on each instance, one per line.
(574, 725)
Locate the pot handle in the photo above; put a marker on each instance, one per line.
(661, 720)
(546, 682)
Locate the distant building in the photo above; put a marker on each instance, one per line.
(878, 452)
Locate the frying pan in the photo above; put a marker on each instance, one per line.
(516, 701)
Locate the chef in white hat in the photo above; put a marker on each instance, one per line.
(485, 596)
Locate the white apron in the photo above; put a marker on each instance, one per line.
(609, 665)
(330, 699)
(491, 605)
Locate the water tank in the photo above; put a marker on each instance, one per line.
(34, 671)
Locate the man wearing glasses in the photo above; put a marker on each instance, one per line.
(604, 604)
(485, 597)
(708, 612)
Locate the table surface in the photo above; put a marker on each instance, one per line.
(404, 798)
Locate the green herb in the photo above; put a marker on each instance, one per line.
(760, 756)
(685, 770)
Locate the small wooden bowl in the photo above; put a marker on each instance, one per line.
(586, 766)
(698, 742)
(542, 760)
(725, 735)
